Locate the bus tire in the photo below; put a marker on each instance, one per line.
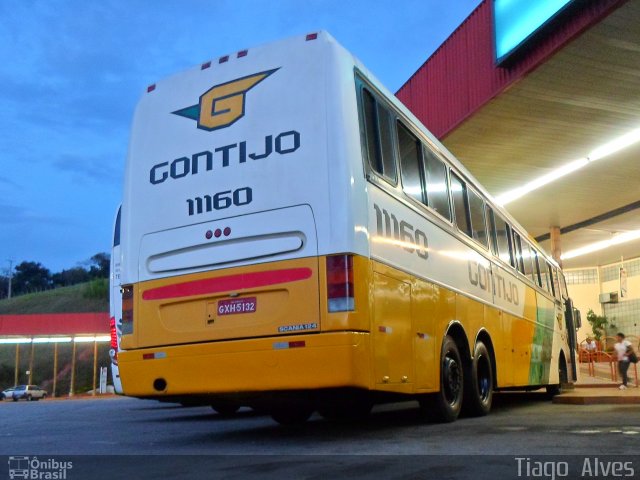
(563, 375)
(225, 409)
(293, 415)
(478, 384)
(444, 406)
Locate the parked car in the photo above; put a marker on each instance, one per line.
(28, 392)
(8, 393)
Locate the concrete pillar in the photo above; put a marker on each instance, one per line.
(73, 368)
(31, 362)
(55, 369)
(95, 365)
(15, 375)
(556, 246)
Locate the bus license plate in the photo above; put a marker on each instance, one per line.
(237, 305)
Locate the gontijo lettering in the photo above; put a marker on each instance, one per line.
(225, 156)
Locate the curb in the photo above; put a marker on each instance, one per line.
(601, 400)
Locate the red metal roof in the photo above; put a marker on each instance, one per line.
(55, 324)
(461, 76)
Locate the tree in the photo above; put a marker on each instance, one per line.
(31, 277)
(599, 324)
(71, 276)
(4, 286)
(99, 265)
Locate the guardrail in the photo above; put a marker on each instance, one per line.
(599, 357)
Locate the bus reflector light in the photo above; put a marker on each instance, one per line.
(151, 88)
(218, 233)
(154, 355)
(227, 231)
(208, 235)
(127, 310)
(311, 36)
(205, 65)
(242, 53)
(224, 59)
(287, 345)
(340, 283)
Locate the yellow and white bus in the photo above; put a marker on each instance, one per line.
(295, 240)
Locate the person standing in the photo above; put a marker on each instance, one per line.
(621, 347)
(591, 347)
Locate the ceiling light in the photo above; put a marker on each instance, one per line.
(516, 193)
(594, 247)
(615, 145)
(602, 151)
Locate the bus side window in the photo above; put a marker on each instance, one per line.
(478, 225)
(116, 230)
(536, 276)
(503, 236)
(377, 120)
(563, 285)
(556, 284)
(409, 148)
(436, 184)
(460, 204)
(527, 257)
(518, 252)
(493, 236)
(547, 276)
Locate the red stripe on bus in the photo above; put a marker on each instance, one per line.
(227, 283)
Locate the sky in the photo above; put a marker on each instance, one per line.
(72, 72)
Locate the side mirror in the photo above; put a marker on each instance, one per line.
(577, 318)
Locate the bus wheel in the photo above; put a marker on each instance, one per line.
(293, 415)
(225, 409)
(445, 405)
(563, 375)
(479, 383)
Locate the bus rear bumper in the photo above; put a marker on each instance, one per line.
(296, 362)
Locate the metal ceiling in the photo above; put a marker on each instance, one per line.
(585, 95)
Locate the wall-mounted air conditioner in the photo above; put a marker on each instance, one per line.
(610, 297)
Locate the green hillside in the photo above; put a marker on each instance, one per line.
(85, 297)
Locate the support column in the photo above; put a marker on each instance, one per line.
(73, 368)
(15, 375)
(95, 366)
(31, 362)
(55, 369)
(556, 246)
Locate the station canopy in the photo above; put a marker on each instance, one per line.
(574, 118)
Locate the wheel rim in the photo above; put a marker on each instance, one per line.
(452, 379)
(484, 379)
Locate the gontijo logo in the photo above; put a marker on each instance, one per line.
(223, 105)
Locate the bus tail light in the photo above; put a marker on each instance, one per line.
(127, 310)
(340, 283)
(114, 340)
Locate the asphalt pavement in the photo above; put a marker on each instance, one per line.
(181, 441)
